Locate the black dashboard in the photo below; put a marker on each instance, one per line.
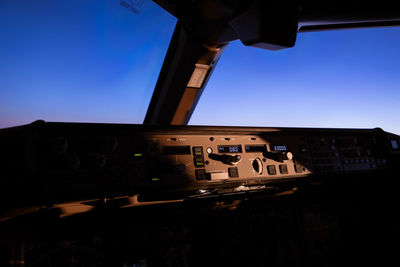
(77, 194)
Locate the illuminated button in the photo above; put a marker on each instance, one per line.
(283, 169)
(233, 172)
(271, 169)
(209, 150)
(198, 150)
(199, 163)
(198, 156)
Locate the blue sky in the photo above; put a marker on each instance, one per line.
(90, 61)
(345, 79)
(95, 61)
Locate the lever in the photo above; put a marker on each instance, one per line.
(224, 158)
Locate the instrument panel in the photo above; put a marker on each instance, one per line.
(64, 159)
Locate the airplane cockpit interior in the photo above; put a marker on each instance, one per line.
(262, 137)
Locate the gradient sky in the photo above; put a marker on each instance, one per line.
(79, 60)
(344, 79)
(96, 61)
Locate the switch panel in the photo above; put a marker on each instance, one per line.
(198, 156)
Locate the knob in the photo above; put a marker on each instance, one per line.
(287, 155)
(257, 166)
(279, 156)
(227, 159)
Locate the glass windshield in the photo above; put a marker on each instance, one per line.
(84, 61)
(346, 78)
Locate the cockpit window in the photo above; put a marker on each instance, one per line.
(346, 78)
(85, 61)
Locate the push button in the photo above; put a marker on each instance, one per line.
(201, 174)
(271, 169)
(298, 168)
(198, 156)
(233, 172)
(283, 169)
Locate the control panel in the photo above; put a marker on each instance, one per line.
(74, 158)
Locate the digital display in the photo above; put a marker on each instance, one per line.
(255, 148)
(278, 147)
(230, 149)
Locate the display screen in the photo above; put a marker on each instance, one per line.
(230, 149)
(278, 147)
(255, 148)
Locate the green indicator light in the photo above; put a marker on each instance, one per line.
(137, 154)
(155, 179)
(304, 150)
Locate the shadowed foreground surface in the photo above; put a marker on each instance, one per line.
(329, 224)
